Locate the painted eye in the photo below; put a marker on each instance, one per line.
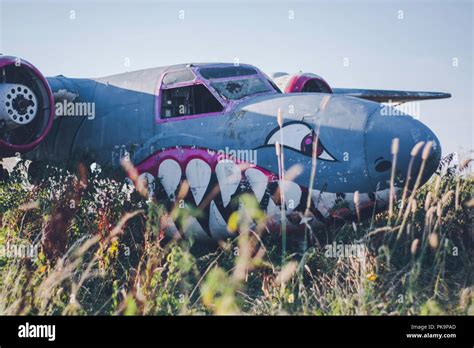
(307, 145)
(300, 137)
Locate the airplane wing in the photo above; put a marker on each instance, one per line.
(384, 96)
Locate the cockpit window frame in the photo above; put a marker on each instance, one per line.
(196, 81)
(227, 104)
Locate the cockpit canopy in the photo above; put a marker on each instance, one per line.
(209, 88)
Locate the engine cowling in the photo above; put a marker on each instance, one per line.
(26, 106)
(301, 83)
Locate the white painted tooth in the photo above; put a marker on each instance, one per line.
(217, 224)
(128, 188)
(258, 181)
(148, 181)
(216, 220)
(169, 174)
(292, 193)
(324, 201)
(171, 231)
(272, 209)
(382, 197)
(328, 199)
(315, 196)
(229, 175)
(198, 174)
(193, 228)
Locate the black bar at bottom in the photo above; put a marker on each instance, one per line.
(219, 330)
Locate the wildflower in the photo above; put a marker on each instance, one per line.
(232, 224)
(372, 277)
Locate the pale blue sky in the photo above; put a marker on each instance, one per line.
(413, 53)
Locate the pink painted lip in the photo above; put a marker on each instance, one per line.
(182, 155)
(7, 149)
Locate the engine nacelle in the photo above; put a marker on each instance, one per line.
(26, 106)
(301, 83)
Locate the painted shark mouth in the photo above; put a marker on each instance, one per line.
(215, 181)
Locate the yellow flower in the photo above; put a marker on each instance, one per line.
(42, 269)
(371, 277)
(232, 224)
(291, 298)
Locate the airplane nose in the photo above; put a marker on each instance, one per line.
(380, 131)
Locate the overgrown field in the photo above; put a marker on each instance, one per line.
(98, 249)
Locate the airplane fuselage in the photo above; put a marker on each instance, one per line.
(217, 126)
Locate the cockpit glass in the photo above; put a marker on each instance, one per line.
(237, 89)
(228, 71)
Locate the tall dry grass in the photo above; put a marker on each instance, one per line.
(116, 260)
